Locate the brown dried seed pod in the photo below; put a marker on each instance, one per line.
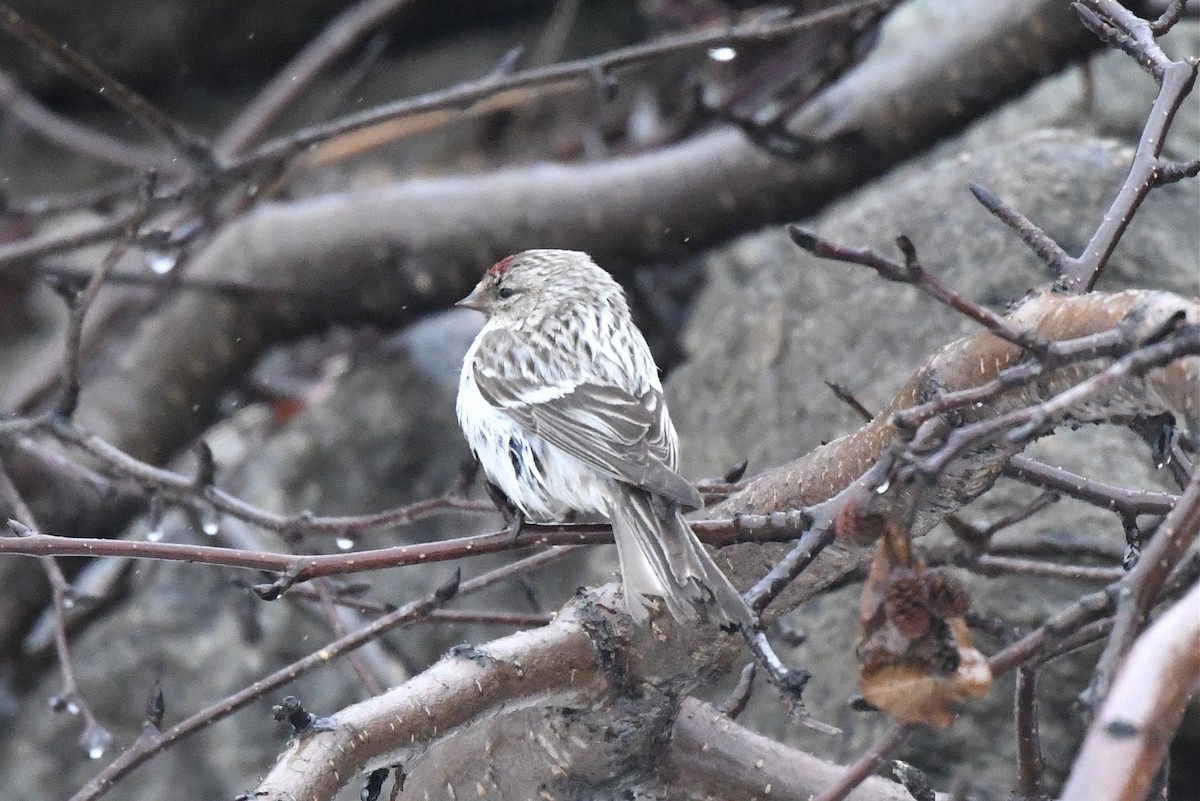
(905, 604)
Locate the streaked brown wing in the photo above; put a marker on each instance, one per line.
(623, 435)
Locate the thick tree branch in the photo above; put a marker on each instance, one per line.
(720, 758)
(557, 665)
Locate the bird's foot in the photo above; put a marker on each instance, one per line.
(514, 520)
(513, 526)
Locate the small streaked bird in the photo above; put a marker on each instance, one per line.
(561, 402)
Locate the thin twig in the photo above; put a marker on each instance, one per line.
(50, 244)
(80, 304)
(1059, 354)
(735, 704)
(1029, 750)
(294, 568)
(95, 739)
(867, 764)
(1116, 24)
(990, 565)
(373, 684)
(912, 273)
(1122, 500)
(1025, 423)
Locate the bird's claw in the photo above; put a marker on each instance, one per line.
(513, 526)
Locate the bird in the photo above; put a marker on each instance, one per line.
(561, 402)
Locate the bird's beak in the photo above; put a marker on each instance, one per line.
(475, 300)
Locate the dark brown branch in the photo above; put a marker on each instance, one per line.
(991, 565)
(1054, 257)
(76, 137)
(1122, 500)
(79, 304)
(95, 739)
(300, 567)
(182, 489)
(912, 273)
(186, 143)
(1029, 749)
(1116, 24)
(371, 682)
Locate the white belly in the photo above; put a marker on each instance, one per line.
(543, 481)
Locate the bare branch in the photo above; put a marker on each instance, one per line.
(76, 137)
(1114, 23)
(186, 143)
(723, 759)
(79, 304)
(555, 665)
(1029, 748)
(911, 272)
(1122, 500)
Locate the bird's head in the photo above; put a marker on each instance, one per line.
(520, 286)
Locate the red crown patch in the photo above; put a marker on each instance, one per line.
(501, 267)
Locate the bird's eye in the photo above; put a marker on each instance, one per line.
(505, 292)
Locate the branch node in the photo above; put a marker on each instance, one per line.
(292, 712)
(450, 588)
(156, 705)
(206, 466)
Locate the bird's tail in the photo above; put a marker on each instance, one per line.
(660, 556)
